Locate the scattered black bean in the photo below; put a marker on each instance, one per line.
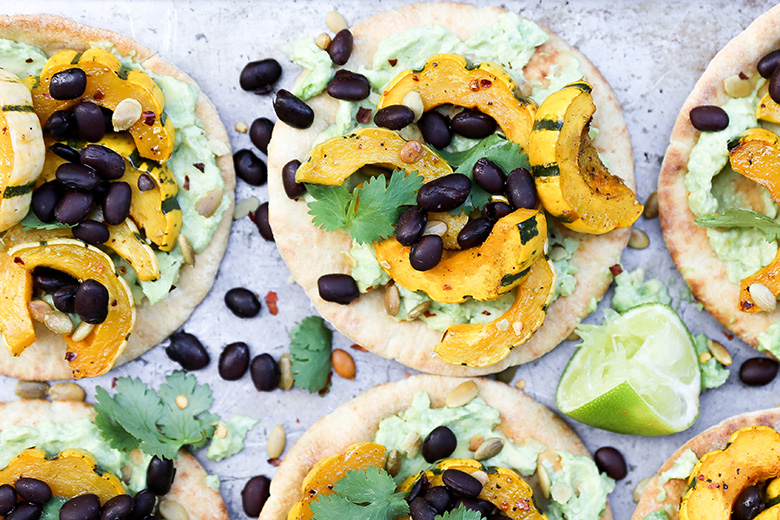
(234, 361)
(260, 218)
(420, 509)
(774, 86)
(143, 505)
(188, 351)
(439, 444)
(474, 232)
(767, 65)
(439, 498)
(435, 129)
(117, 508)
(520, 189)
(64, 299)
(461, 483)
(611, 461)
(33, 490)
(116, 205)
(82, 507)
(265, 372)
(60, 125)
(758, 371)
(426, 254)
(254, 495)
(91, 302)
(109, 164)
(159, 475)
(68, 84)
(250, 168)
(482, 506)
(89, 121)
(25, 511)
(411, 225)
(293, 189)
(145, 182)
(77, 177)
(394, 117)
(68, 153)
(292, 110)
(496, 210)
(473, 124)
(260, 133)
(709, 118)
(242, 302)
(340, 48)
(445, 193)
(108, 115)
(73, 207)
(338, 288)
(748, 504)
(419, 488)
(349, 86)
(489, 176)
(259, 74)
(44, 200)
(92, 232)
(50, 280)
(7, 499)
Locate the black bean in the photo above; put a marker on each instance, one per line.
(109, 164)
(50, 280)
(159, 475)
(260, 133)
(774, 86)
(82, 507)
(117, 508)
(89, 121)
(293, 189)
(64, 299)
(242, 302)
(254, 495)
(259, 74)
(422, 510)
(748, 504)
(426, 254)
(188, 351)
(25, 511)
(33, 490)
(482, 506)
(116, 205)
(68, 153)
(394, 117)
(77, 177)
(91, 302)
(445, 193)
(411, 225)
(250, 168)
(474, 232)
(709, 118)
(521, 189)
(767, 65)
(461, 483)
(60, 125)
(7, 499)
(439, 498)
(68, 84)
(234, 361)
(496, 210)
(611, 461)
(265, 373)
(349, 86)
(293, 111)
(44, 200)
(473, 124)
(92, 232)
(758, 371)
(260, 218)
(419, 488)
(143, 505)
(435, 129)
(73, 207)
(340, 48)
(439, 444)
(489, 176)
(338, 288)
(108, 115)
(145, 182)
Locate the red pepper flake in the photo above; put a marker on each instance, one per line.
(186, 183)
(327, 385)
(363, 115)
(700, 477)
(357, 347)
(275, 462)
(114, 303)
(729, 335)
(474, 85)
(114, 382)
(447, 287)
(18, 260)
(70, 356)
(407, 374)
(615, 269)
(200, 166)
(270, 300)
(429, 314)
(415, 77)
(743, 76)
(28, 60)
(485, 83)
(98, 95)
(392, 62)
(504, 505)
(486, 313)
(522, 505)
(149, 118)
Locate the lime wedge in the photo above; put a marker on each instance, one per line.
(637, 373)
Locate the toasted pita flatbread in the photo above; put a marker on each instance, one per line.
(189, 489)
(311, 252)
(688, 243)
(45, 359)
(358, 421)
(714, 438)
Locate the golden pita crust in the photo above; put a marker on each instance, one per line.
(311, 252)
(358, 420)
(45, 359)
(189, 489)
(688, 244)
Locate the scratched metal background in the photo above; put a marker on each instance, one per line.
(651, 52)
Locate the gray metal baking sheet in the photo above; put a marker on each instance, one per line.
(651, 52)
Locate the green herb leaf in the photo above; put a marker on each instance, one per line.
(363, 493)
(742, 218)
(31, 221)
(461, 513)
(330, 207)
(310, 348)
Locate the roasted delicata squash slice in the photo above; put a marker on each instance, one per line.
(69, 474)
(332, 162)
(108, 84)
(16, 323)
(484, 272)
(21, 150)
(485, 344)
(95, 354)
(768, 110)
(448, 78)
(571, 181)
(125, 241)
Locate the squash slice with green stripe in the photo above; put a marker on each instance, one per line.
(572, 182)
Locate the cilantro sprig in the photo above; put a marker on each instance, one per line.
(461, 513)
(363, 493)
(138, 417)
(742, 218)
(310, 348)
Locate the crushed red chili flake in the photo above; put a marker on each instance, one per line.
(522, 505)
(615, 269)
(363, 115)
(200, 166)
(149, 118)
(70, 356)
(270, 300)
(327, 384)
(18, 260)
(114, 303)
(98, 95)
(743, 76)
(474, 85)
(700, 477)
(415, 77)
(485, 83)
(28, 60)
(186, 183)
(486, 313)
(447, 287)
(114, 381)
(728, 335)
(429, 314)
(275, 462)
(359, 348)
(392, 62)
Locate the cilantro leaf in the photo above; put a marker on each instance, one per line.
(362, 493)
(461, 513)
(310, 348)
(742, 218)
(117, 437)
(329, 208)
(185, 423)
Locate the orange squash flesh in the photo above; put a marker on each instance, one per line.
(15, 321)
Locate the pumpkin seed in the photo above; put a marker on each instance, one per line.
(182, 401)
(126, 114)
(475, 442)
(462, 394)
(58, 322)
(573, 336)
(560, 492)
(412, 444)
(392, 300)
(242, 127)
(763, 297)
(285, 368)
(336, 21)
(481, 476)
(127, 474)
(506, 375)
(489, 449)
(435, 227)
(544, 480)
(704, 357)
(638, 239)
(343, 364)
(323, 41)
(520, 385)
(82, 331)
(640, 488)
(719, 352)
(417, 311)
(517, 328)
(218, 147)
(393, 464)
(244, 207)
(171, 510)
(411, 151)
(208, 204)
(276, 442)
(39, 309)
(737, 87)
(66, 392)
(502, 325)
(557, 253)
(31, 389)
(186, 249)
(651, 206)
(413, 100)
(222, 431)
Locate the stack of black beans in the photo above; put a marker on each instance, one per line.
(88, 299)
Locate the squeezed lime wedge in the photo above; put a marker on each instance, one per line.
(637, 373)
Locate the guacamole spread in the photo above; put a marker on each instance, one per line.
(237, 428)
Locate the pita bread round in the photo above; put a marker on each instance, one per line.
(311, 252)
(688, 243)
(189, 489)
(714, 438)
(45, 359)
(358, 421)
